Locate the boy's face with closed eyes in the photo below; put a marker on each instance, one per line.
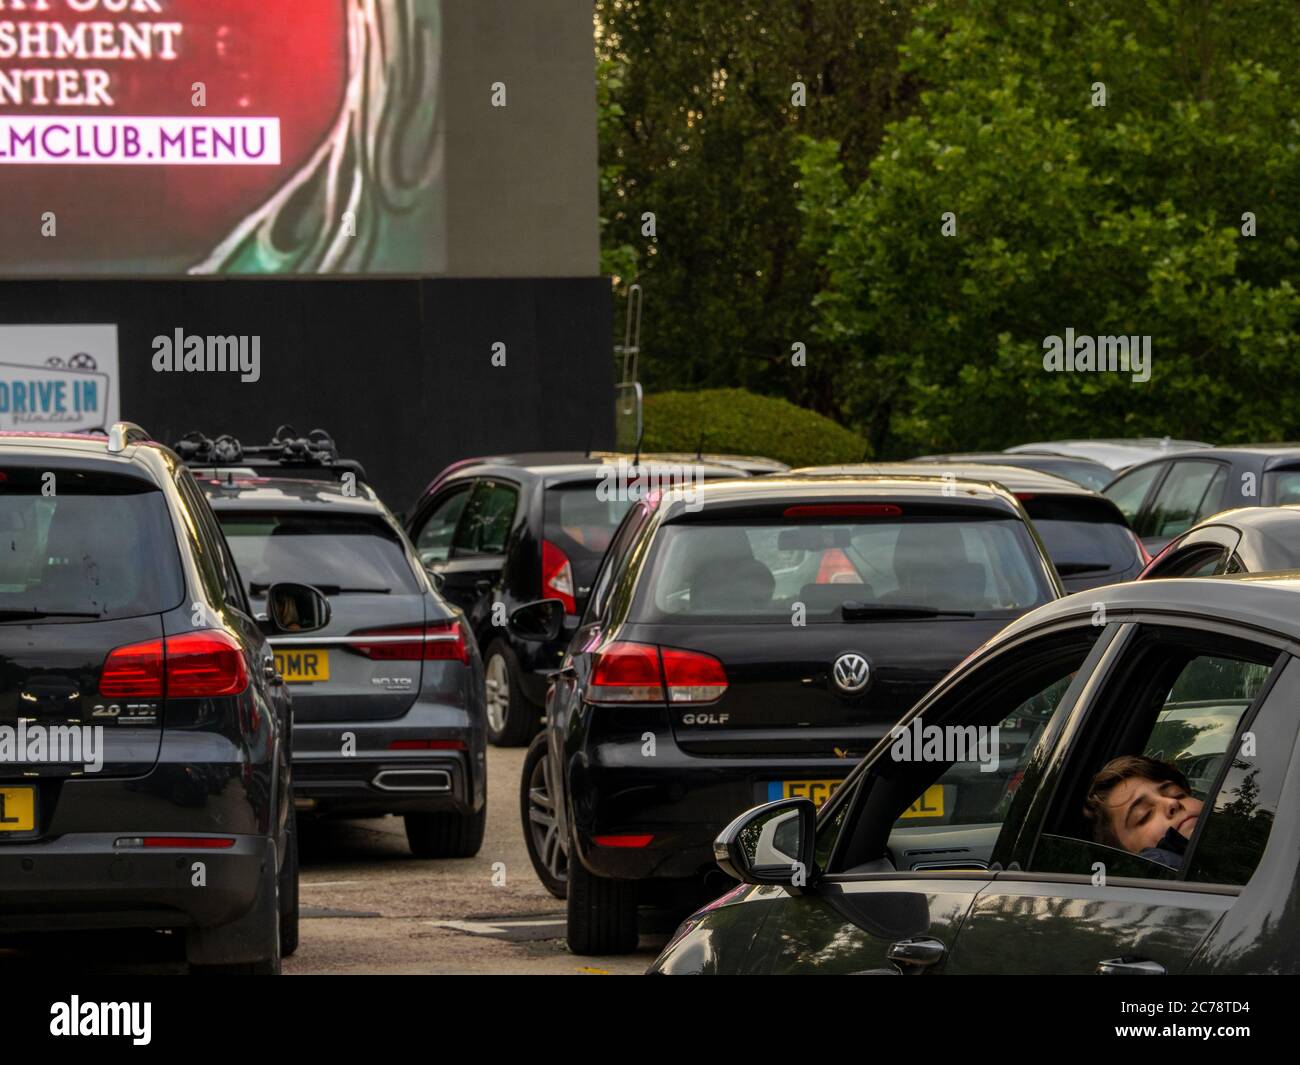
(1141, 811)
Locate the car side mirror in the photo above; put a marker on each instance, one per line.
(293, 607)
(539, 621)
(770, 844)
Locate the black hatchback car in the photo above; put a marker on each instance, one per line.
(752, 648)
(1182, 693)
(389, 696)
(1086, 536)
(159, 795)
(500, 532)
(1165, 497)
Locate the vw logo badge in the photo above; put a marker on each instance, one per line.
(851, 672)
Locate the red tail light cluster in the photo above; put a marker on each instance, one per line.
(441, 641)
(194, 665)
(557, 577)
(626, 672)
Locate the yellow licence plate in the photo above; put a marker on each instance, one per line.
(17, 809)
(817, 790)
(302, 666)
(928, 805)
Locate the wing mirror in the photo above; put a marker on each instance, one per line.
(770, 844)
(540, 621)
(292, 607)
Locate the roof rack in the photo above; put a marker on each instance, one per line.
(314, 456)
(124, 433)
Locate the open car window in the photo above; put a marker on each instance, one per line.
(1209, 723)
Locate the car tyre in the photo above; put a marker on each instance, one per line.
(602, 913)
(512, 720)
(289, 910)
(445, 834)
(541, 827)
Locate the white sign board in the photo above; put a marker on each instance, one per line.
(58, 378)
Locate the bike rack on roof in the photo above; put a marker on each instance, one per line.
(287, 453)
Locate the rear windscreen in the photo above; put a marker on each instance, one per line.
(339, 554)
(85, 544)
(766, 571)
(581, 524)
(1084, 536)
(1282, 487)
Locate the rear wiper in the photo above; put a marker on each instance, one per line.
(862, 611)
(36, 615)
(258, 588)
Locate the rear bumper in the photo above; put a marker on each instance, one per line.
(88, 881)
(682, 802)
(376, 779)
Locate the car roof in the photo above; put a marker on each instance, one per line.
(1118, 454)
(1270, 602)
(1273, 454)
(1012, 478)
(1012, 458)
(287, 493)
(559, 467)
(797, 487)
(92, 448)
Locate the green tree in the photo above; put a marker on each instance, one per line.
(1119, 219)
(699, 126)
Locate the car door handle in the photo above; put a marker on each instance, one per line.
(920, 951)
(1130, 967)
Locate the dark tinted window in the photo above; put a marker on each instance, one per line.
(338, 554)
(1281, 487)
(1128, 491)
(485, 525)
(580, 522)
(1083, 535)
(763, 571)
(433, 540)
(99, 544)
(1190, 492)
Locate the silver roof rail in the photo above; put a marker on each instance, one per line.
(124, 433)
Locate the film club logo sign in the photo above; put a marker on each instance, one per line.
(192, 112)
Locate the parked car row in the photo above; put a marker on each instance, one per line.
(677, 639)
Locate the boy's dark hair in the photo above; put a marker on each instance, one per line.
(1110, 776)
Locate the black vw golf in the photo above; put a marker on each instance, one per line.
(145, 779)
(751, 646)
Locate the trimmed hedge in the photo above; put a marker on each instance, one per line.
(734, 421)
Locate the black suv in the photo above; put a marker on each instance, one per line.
(161, 796)
(500, 532)
(388, 697)
(753, 647)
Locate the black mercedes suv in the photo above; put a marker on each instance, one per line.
(389, 696)
(145, 774)
(753, 647)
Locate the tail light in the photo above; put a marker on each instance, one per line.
(557, 577)
(692, 677)
(624, 840)
(439, 641)
(627, 673)
(843, 510)
(133, 671)
(642, 673)
(207, 663)
(427, 745)
(193, 665)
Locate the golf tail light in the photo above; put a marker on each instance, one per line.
(692, 677)
(626, 673)
(438, 641)
(557, 577)
(204, 664)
